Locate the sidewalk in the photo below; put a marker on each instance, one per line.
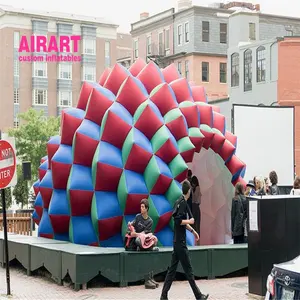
(24, 287)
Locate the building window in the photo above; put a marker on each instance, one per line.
(16, 96)
(107, 54)
(205, 72)
(65, 71)
(179, 67)
(16, 40)
(167, 39)
(235, 69)
(223, 33)
(252, 32)
(16, 68)
(186, 32)
(205, 31)
(136, 49)
(223, 72)
(64, 99)
(16, 123)
(248, 70)
(89, 73)
(89, 46)
(149, 45)
(40, 97)
(261, 64)
(161, 50)
(40, 69)
(187, 71)
(179, 36)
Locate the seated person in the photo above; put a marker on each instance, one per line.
(140, 231)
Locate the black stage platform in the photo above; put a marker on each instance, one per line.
(83, 263)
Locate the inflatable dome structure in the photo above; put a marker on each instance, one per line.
(134, 135)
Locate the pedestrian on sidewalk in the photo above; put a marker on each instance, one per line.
(180, 250)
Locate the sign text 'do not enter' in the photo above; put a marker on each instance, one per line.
(7, 163)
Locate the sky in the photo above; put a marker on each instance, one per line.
(125, 12)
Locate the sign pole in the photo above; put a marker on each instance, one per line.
(7, 173)
(5, 241)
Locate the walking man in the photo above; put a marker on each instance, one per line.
(180, 251)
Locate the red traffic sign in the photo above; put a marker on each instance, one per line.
(7, 163)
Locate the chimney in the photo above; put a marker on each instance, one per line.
(144, 15)
(184, 4)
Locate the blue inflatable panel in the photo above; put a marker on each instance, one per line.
(47, 180)
(119, 110)
(165, 236)
(141, 140)
(135, 183)
(163, 167)
(55, 140)
(89, 129)
(161, 204)
(115, 241)
(189, 238)
(105, 92)
(38, 200)
(107, 205)
(63, 155)
(44, 165)
(75, 112)
(45, 226)
(80, 178)
(35, 216)
(62, 237)
(59, 204)
(83, 231)
(110, 155)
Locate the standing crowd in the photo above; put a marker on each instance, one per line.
(259, 186)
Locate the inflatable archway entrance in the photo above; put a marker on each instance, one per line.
(132, 136)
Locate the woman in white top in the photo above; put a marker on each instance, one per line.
(296, 189)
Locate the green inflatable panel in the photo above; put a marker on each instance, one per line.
(173, 193)
(186, 104)
(195, 132)
(153, 213)
(128, 143)
(172, 115)
(122, 192)
(94, 216)
(151, 173)
(159, 138)
(139, 111)
(185, 144)
(177, 165)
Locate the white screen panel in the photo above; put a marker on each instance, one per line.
(266, 141)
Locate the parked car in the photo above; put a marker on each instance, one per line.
(284, 281)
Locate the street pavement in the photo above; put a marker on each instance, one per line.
(36, 287)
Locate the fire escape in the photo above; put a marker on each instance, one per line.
(158, 54)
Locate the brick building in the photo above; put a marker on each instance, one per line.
(124, 49)
(49, 86)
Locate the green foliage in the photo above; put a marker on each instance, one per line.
(20, 191)
(32, 137)
(8, 199)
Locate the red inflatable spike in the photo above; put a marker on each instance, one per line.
(84, 95)
(219, 122)
(97, 107)
(116, 78)
(164, 98)
(191, 115)
(199, 94)
(104, 76)
(231, 138)
(182, 90)
(137, 67)
(151, 76)
(170, 73)
(206, 114)
(130, 95)
(69, 125)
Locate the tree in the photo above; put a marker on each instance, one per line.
(8, 199)
(20, 191)
(32, 137)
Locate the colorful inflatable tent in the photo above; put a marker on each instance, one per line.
(132, 136)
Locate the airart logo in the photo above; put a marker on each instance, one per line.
(49, 46)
